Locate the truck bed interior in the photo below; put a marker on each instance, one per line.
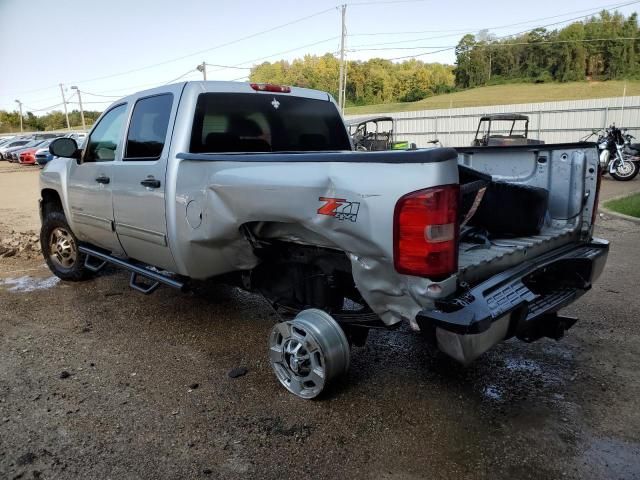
(560, 169)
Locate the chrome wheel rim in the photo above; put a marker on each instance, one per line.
(625, 169)
(62, 248)
(307, 352)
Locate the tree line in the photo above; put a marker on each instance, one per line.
(368, 82)
(10, 121)
(604, 47)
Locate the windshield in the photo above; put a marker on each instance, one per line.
(241, 122)
(510, 128)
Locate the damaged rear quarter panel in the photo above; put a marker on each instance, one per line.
(287, 194)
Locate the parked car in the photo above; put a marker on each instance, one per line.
(28, 156)
(77, 136)
(46, 135)
(256, 185)
(44, 156)
(13, 155)
(4, 149)
(5, 140)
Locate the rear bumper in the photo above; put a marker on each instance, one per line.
(521, 302)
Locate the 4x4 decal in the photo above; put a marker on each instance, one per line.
(339, 208)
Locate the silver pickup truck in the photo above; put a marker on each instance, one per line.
(257, 185)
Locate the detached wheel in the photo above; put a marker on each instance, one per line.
(307, 352)
(60, 248)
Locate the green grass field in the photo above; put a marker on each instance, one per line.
(508, 94)
(628, 206)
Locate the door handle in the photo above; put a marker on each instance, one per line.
(150, 183)
(103, 180)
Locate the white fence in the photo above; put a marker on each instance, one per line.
(553, 122)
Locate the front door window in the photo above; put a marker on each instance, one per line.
(103, 141)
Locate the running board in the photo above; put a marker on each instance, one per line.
(94, 256)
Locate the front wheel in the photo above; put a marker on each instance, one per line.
(60, 248)
(625, 171)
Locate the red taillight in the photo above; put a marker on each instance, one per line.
(425, 232)
(270, 87)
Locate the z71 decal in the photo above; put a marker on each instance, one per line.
(339, 208)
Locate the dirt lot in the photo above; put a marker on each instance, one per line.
(98, 381)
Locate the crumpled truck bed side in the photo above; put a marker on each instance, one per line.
(335, 203)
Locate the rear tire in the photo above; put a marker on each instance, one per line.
(60, 248)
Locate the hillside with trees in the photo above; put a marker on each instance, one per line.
(368, 82)
(601, 48)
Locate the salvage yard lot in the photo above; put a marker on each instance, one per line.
(147, 392)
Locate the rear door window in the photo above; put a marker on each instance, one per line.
(252, 122)
(148, 128)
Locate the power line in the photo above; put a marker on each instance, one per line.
(199, 52)
(99, 95)
(181, 76)
(42, 109)
(283, 52)
(491, 45)
(498, 38)
(224, 67)
(386, 2)
(493, 28)
(421, 54)
(462, 30)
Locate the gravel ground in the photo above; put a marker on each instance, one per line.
(98, 381)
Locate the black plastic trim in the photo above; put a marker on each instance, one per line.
(433, 155)
(476, 309)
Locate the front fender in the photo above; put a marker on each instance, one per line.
(54, 176)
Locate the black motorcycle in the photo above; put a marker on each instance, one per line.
(618, 156)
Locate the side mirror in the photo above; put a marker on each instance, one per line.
(65, 147)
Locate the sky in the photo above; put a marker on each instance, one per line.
(112, 48)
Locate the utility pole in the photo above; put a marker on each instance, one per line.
(341, 84)
(84, 126)
(20, 105)
(203, 68)
(64, 102)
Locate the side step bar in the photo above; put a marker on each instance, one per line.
(135, 269)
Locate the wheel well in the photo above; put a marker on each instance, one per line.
(50, 202)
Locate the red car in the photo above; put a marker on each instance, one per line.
(28, 157)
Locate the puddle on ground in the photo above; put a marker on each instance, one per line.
(492, 392)
(522, 365)
(28, 284)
